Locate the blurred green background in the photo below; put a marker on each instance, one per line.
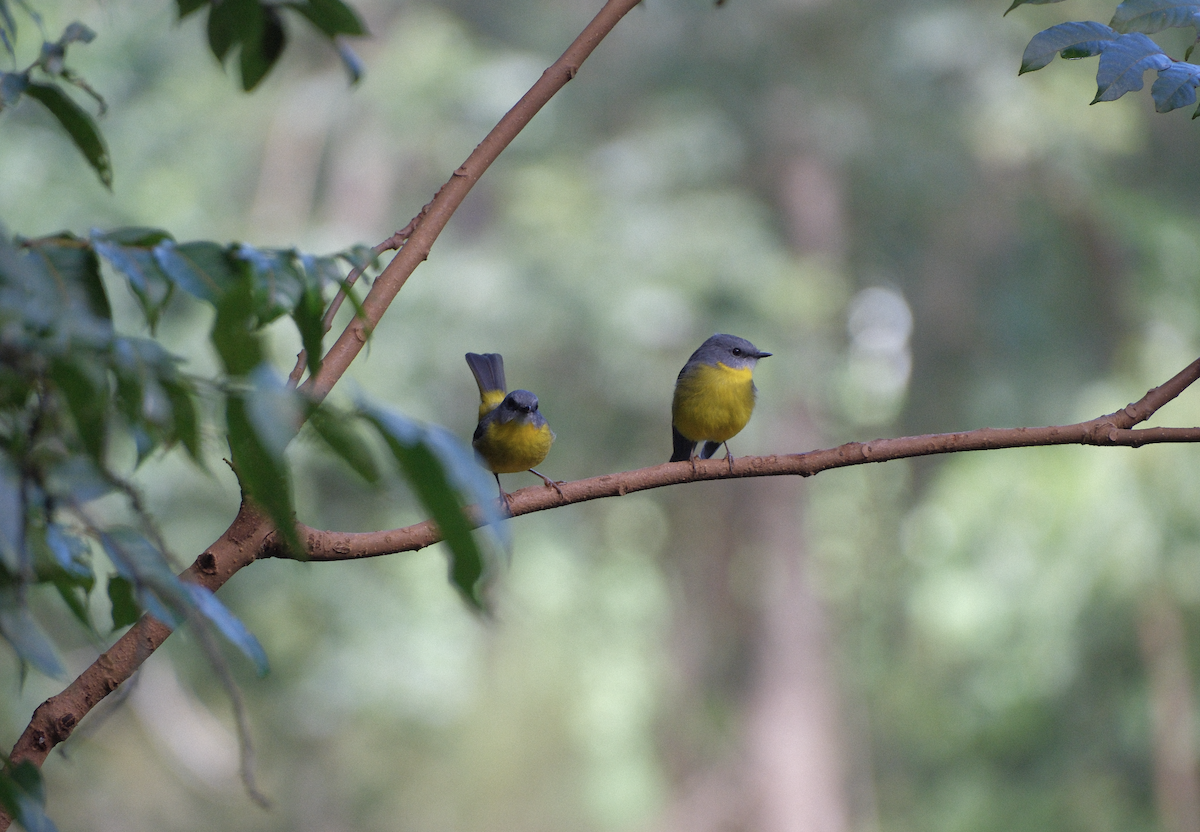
(865, 188)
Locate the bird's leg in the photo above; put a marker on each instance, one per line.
(550, 483)
(503, 495)
(729, 457)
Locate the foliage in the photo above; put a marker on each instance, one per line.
(1125, 50)
(72, 391)
(254, 29)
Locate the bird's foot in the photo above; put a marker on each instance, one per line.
(729, 457)
(550, 483)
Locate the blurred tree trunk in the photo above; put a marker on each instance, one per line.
(752, 634)
(1164, 650)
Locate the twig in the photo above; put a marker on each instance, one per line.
(390, 244)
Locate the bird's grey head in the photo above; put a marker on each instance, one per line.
(519, 404)
(730, 350)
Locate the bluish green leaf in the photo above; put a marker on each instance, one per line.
(201, 269)
(69, 551)
(332, 17)
(1150, 16)
(1175, 87)
(134, 236)
(263, 474)
(435, 470)
(1122, 64)
(23, 795)
(309, 316)
(79, 126)
(12, 518)
(76, 32)
(25, 635)
(340, 434)
(74, 270)
(183, 412)
(124, 608)
(74, 593)
(233, 332)
(12, 85)
(350, 60)
(1074, 40)
(1029, 3)
(229, 625)
(279, 281)
(157, 589)
(149, 284)
(87, 401)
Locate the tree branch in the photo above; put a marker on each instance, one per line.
(55, 719)
(429, 223)
(1103, 431)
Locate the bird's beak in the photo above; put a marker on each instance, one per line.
(763, 355)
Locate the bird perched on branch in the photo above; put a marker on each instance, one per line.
(714, 397)
(512, 435)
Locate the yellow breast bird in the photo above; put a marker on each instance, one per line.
(714, 396)
(512, 435)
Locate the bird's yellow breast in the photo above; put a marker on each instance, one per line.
(514, 446)
(713, 402)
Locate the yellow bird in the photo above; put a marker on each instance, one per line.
(512, 435)
(714, 396)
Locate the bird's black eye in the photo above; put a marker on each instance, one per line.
(737, 350)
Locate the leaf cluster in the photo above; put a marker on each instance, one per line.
(41, 81)
(1125, 50)
(256, 30)
(69, 384)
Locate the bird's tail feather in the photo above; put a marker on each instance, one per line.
(488, 370)
(710, 448)
(683, 446)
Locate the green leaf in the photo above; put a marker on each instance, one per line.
(12, 518)
(75, 270)
(426, 459)
(69, 551)
(87, 401)
(156, 588)
(1029, 3)
(340, 435)
(233, 332)
(262, 473)
(332, 17)
(309, 316)
(135, 236)
(79, 126)
(279, 282)
(124, 608)
(233, 21)
(74, 593)
(146, 279)
(186, 7)
(20, 630)
(23, 795)
(260, 54)
(183, 412)
(229, 625)
(202, 269)
(12, 85)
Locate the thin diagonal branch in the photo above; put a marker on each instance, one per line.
(434, 216)
(54, 720)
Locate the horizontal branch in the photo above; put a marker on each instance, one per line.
(333, 546)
